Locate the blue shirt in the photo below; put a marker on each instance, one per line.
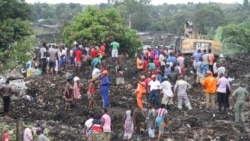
(199, 66)
(171, 59)
(105, 81)
(197, 56)
(95, 62)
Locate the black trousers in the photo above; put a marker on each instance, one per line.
(211, 68)
(6, 103)
(44, 65)
(222, 100)
(162, 70)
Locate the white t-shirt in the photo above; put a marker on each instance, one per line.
(154, 85)
(221, 70)
(27, 135)
(43, 51)
(96, 72)
(89, 123)
(166, 88)
(161, 59)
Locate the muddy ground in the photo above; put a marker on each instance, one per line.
(46, 106)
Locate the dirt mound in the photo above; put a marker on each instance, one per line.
(44, 104)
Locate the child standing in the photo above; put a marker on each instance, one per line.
(91, 92)
(68, 95)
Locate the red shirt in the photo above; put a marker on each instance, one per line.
(93, 53)
(157, 63)
(6, 137)
(145, 65)
(78, 55)
(102, 50)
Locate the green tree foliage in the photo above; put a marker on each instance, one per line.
(234, 37)
(14, 28)
(95, 26)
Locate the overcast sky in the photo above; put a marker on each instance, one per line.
(154, 2)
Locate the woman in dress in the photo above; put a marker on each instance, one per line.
(77, 94)
(129, 124)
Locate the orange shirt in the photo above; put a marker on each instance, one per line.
(139, 63)
(140, 90)
(211, 59)
(209, 84)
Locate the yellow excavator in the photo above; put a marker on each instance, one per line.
(192, 42)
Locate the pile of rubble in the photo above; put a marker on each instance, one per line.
(44, 104)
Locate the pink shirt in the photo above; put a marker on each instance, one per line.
(222, 85)
(107, 123)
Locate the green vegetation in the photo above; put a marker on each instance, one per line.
(15, 30)
(95, 26)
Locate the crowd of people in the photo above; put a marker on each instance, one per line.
(162, 79)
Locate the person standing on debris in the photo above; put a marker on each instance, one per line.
(6, 136)
(154, 85)
(139, 64)
(41, 136)
(180, 90)
(68, 95)
(140, 91)
(27, 134)
(106, 125)
(151, 122)
(161, 114)
(128, 124)
(78, 58)
(163, 125)
(96, 72)
(162, 61)
(172, 76)
(52, 59)
(222, 85)
(171, 58)
(222, 60)
(240, 95)
(119, 73)
(43, 56)
(6, 91)
(205, 60)
(105, 88)
(166, 88)
(115, 45)
(196, 56)
(96, 61)
(180, 60)
(209, 84)
(221, 70)
(77, 94)
(211, 60)
(97, 128)
(91, 93)
(199, 66)
(87, 130)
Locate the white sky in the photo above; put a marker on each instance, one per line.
(154, 2)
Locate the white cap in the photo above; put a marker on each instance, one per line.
(221, 55)
(75, 43)
(76, 78)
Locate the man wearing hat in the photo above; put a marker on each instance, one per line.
(180, 89)
(140, 91)
(105, 88)
(166, 88)
(209, 84)
(154, 86)
(27, 134)
(240, 95)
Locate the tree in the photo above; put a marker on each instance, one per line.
(14, 30)
(95, 26)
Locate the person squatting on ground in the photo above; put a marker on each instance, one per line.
(106, 125)
(240, 95)
(180, 90)
(166, 89)
(140, 91)
(128, 124)
(222, 85)
(6, 92)
(209, 84)
(105, 88)
(154, 85)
